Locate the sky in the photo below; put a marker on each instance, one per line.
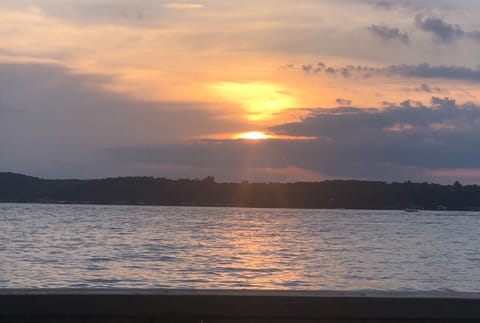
(257, 90)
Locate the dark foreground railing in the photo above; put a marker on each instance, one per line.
(98, 305)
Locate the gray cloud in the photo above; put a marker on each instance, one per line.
(387, 33)
(442, 31)
(307, 68)
(424, 87)
(330, 70)
(342, 101)
(405, 141)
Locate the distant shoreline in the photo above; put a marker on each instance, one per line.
(221, 206)
(150, 191)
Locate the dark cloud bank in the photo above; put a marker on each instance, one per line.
(408, 141)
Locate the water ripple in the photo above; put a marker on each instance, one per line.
(179, 247)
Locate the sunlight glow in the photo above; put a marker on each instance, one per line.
(253, 135)
(261, 100)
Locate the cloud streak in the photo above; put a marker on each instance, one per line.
(424, 87)
(409, 5)
(423, 70)
(426, 71)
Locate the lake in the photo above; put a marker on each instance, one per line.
(56, 246)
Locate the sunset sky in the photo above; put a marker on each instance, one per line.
(258, 90)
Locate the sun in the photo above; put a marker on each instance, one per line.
(253, 135)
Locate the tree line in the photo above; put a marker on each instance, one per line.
(348, 194)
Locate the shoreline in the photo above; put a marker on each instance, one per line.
(226, 206)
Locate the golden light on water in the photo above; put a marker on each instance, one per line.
(253, 135)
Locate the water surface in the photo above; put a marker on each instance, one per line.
(234, 248)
